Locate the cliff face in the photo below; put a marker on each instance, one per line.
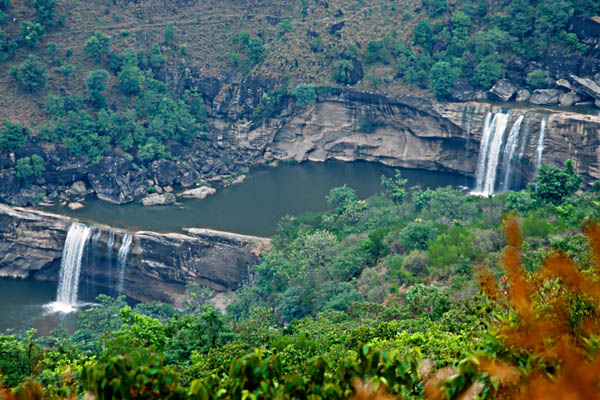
(158, 265)
(414, 132)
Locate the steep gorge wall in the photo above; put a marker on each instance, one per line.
(408, 131)
(159, 265)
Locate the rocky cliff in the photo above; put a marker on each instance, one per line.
(158, 265)
(398, 130)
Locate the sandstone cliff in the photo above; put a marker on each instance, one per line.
(158, 265)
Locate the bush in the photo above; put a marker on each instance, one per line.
(416, 262)
(30, 168)
(554, 185)
(488, 71)
(305, 95)
(538, 79)
(30, 75)
(96, 85)
(98, 45)
(441, 79)
(418, 235)
(13, 136)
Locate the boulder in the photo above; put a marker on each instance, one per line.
(75, 206)
(198, 193)
(563, 84)
(568, 99)
(79, 187)
(462, 91)
(545, 96)
(9, 184)
(165, 172)
(156, 199)
(585, 86)
(112, 178)
(522, 96)
(27, 196)
(502, 90)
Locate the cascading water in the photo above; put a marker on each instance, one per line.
(70, 268)
(489, 153)
(540, 146)
(510, 150)
(483, 152)
(122, 259)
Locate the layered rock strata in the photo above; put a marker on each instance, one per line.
(159, 265)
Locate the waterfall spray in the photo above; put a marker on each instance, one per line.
(122, 259)
(70, 268)
(489, 153)
(540, 147)
(510, 150)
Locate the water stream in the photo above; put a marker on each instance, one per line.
(122, 260)
(70, 268)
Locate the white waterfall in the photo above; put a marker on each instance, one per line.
(70, 268)
(483, 152)
(122, 259)
(96, 237)
(489, 153)
(540, 147)
(509, 151)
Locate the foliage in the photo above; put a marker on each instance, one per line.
(441, 78)
(394, 188)
(96, 85)
(13, 135)
(305, 95)
(30, 167)
(98, 46)
(554, 185)
(30, 33)
(30, 74)
(537, 78)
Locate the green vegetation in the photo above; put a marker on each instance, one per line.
(13, 136)
(30, 168)
(30, 75)
(381, 289)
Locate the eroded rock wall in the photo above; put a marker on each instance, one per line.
(158, 267)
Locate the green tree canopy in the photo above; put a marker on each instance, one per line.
(554, 185)
(30, 75)
(13, 135)
(441, 78)
(98, 45)
(96, 85)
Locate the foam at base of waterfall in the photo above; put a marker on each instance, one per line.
(60, 307)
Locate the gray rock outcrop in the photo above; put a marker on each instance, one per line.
(156, 199)
(502, 90)
(159, 265)
(545, 96)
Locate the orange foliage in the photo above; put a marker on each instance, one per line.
(564, 368)
(367, 391)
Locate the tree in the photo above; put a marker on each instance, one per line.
(13, 136)
(4, 4)
(66, 70)
(394, 188)
(130, 79)
(554, 185)
(45, 11)
(342, 70)
(30, 33)
(537, 78)
(30, 168)
(98, 45)
(96, 85)
(170, 34)
(255, 51)
(488, 71)
(30, 74)
(305, 95)
(441, 78)
(339, 197)
(423, 35)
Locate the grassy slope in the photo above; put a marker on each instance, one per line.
(207, 28)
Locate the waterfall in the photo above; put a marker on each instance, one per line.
(524, 139)
(489, 153)
(483, 152)
(122, 259)
(509, 151)
(540, 147)
(70, 268)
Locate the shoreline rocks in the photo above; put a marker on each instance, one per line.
(198, 193)
(156, 199)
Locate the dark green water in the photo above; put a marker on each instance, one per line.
(255, 206)
(22, 306)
